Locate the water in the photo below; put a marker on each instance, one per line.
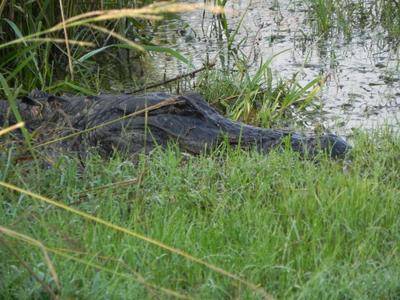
(363, 78)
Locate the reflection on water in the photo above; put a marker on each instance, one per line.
(363, 86)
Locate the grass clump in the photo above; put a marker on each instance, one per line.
(346, 16)
(260, 98)
(300, 229)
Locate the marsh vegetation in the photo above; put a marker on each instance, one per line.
(229, 224)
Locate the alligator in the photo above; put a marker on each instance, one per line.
(135, 124)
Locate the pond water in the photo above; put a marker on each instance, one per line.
(363, 78)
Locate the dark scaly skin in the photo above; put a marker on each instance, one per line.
(192, 123)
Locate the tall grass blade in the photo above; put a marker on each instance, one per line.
(15, 28)
(13, 105)
(172, 52)
(71, 68)
(71, 85)
(116, 35)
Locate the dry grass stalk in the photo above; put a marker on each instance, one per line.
(71, 68)
(11, 128)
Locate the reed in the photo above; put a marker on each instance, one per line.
(34, 58)
(346, 16)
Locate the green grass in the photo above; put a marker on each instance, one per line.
(300, 229)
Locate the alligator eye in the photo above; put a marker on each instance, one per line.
(31, 101)
(36, 112)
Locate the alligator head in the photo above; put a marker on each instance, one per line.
(36, 108)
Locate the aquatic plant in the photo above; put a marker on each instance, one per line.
(346, 16)
(262, 99)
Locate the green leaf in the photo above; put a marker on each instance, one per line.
(72, 86)
(149, 48)
(94, 52)
(12, 102)
(21, 65)
(172, 52)
(14, 27)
